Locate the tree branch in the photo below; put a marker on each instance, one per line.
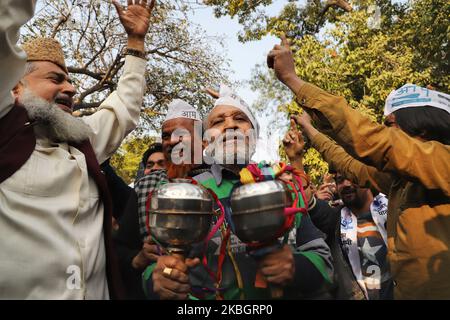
(99, 76)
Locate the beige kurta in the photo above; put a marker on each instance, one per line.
(51, 217)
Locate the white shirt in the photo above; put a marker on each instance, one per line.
(51, 217)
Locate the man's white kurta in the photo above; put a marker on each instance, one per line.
(51, 217)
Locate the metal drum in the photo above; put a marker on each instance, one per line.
(258, 210)
(180, 214)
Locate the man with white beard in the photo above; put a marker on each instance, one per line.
(55, 210)
(231, 131)
(301, 266)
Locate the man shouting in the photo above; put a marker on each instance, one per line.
(55, 212)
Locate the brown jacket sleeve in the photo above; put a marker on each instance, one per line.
(387, 149)
(354, 170)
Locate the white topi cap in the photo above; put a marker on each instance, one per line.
(228, 98)
(181, 109)
(411, 95)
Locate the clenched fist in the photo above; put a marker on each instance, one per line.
(170, 277)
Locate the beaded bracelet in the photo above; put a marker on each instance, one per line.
(134, 52)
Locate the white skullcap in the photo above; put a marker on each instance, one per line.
(181, 109)
(228, 98)
(411, 95)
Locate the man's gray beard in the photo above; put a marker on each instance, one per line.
(59, 125)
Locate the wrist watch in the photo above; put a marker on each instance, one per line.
(134, 52)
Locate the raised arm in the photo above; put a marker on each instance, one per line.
(353, 169)
(13, 14)
(387, 149)
(294, 147)
(118, 115)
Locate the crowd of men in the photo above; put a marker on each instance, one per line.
(377, 228)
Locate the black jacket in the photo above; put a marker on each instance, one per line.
(128, 244)
(328, 220)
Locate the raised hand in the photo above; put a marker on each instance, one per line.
(304, 119)
(213, 93)
(305, 122)
(136, 17)
(280, 58)
(293, 142)
(324, 192)
(294, 145)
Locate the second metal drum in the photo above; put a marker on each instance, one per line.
(258, 210)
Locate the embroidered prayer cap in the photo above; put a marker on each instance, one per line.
(45, 49)
(229, 98)
(411, 95)
(181, 109)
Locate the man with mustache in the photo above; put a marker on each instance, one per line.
(182, 149)
(356, 231)
(301, 266)
(364, 238)
(181, 135)
(55, 209)
(362, 241)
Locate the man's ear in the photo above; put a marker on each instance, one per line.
(204, 144)
(17, 90)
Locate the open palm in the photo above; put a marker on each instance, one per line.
(136, 17)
